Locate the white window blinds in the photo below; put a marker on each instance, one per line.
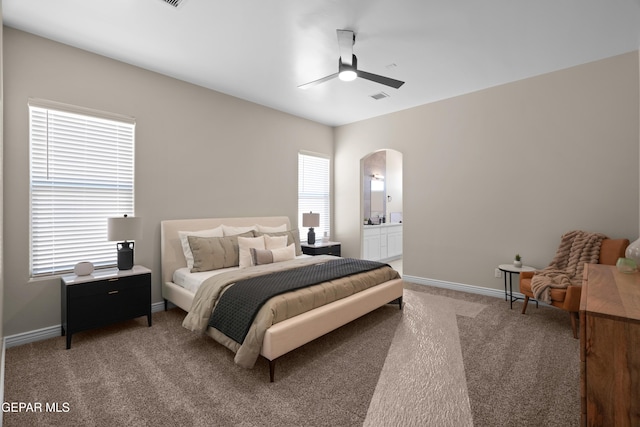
(313, 192)
(82, 172)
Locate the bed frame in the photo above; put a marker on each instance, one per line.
(287, 335)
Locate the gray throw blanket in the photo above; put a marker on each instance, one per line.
(239, 305)
(576, 249)
(276, 309)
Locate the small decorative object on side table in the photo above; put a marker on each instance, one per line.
(104, 297)
(321, 248)
(517, 261)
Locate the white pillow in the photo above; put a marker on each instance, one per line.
(184, 240)
(261, 257)
(246, 243)
(266, 229)
(232, 231)
(284, 254)
(275, 242)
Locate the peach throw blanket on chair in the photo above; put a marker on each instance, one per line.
(576, 249)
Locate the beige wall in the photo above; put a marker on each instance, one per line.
(199, 153)
(486, 175)
(504, 170)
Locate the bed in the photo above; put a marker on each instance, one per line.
(286, 335)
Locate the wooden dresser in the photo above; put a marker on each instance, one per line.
(610, 347)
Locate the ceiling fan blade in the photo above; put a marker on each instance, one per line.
(380, 79)
(346, 39)
(317, 82)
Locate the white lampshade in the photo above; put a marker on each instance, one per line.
(310, 219)
(124, 228)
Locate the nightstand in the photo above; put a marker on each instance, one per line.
(321, 248)
(104, 297)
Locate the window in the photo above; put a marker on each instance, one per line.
(82, 172)
(313, 192)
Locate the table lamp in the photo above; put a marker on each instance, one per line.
(311, 220)
(124, 228)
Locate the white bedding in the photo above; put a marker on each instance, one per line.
(288, 334)
(192, 281)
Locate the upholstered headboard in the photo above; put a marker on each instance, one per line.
(171, 255)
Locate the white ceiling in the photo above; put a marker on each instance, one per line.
(261, 50)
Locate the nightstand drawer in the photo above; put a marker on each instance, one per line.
(333, 250)
(108, 286)
(93, 310)
(329, 248)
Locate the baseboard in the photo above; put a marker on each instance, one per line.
(157, 306)
(497, 293)
(32, 336)
(49, 332)
(54, 331)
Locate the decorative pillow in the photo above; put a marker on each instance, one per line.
(214, 253)
(267, 229)
(246, 243)
(293, 237)
(233, 231)
(264, 256)
(275, 242)
(186, 249)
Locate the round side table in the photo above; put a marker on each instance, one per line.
(510, 269)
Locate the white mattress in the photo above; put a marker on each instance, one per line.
(192, 281)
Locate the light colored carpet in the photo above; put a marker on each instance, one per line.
(132, 375)
(388, 368)
(433, 391)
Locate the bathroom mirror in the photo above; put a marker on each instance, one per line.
(374, 186)
(377, 198)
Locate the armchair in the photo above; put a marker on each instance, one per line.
(569, 299)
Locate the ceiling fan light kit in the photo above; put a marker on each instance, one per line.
(348, 72)
(348, 65)
(347, 75)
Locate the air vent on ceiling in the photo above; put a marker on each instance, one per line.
(174, 3)
(379, 96)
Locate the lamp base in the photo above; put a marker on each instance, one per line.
(311, 236)
(125, 255)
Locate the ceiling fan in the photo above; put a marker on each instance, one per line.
(348, 65)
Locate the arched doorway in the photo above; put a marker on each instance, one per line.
(381, 205)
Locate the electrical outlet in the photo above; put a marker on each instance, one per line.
(497, 273)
